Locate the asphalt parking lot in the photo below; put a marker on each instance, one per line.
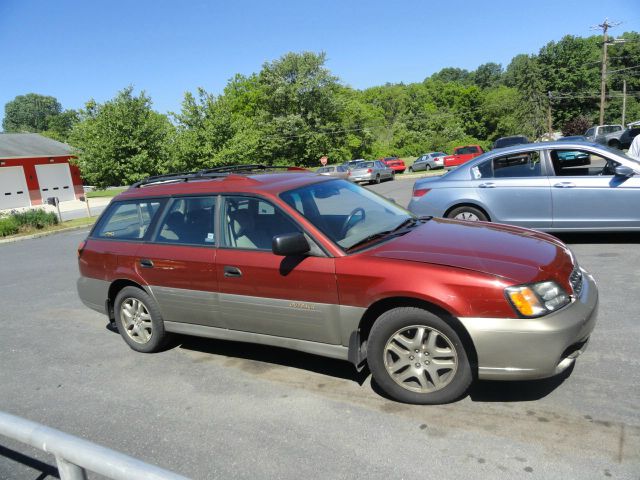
(214, 409)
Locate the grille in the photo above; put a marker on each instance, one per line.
(576, 281)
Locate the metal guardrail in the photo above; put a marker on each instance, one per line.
(75, 456)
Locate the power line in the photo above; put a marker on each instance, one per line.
(623, 69)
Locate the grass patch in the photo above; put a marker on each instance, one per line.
(36, 221)
(112, 192)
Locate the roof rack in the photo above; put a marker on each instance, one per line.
(211, 173)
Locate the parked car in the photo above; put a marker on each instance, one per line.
(371, 171)
(339, 171)
(509, 141)
(554, 186)
(609, 135)
(462, 155)
(627, 137)
(394, 163)
(323, 266)
(428, 161)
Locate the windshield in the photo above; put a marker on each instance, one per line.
(344, 212)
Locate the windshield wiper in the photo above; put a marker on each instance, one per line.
(409, 222)
(370, 238)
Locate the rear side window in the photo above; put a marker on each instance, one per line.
(518, 165)
(128, 220)
(525, 164)
(190, 221)
(251, 223)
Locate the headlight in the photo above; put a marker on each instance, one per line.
(537, 299)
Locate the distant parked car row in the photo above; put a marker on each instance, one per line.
(359, 171)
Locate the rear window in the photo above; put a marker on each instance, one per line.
(466, 150)
(128, 220)
(611, 129)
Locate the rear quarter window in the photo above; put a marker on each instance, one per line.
(127, 220)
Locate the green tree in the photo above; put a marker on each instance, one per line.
(525, 75)
(488, 75)
(452, 74)
(122, 140)
(59, 126)
(30, 113)
(570, 70)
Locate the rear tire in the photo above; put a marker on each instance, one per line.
(427, 167)
(139, 320)
(410, 169)
(416, 357)
(377, 181)
(468, 213)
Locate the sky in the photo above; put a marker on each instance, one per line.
(76, 50)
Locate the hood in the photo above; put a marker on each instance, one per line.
(513, 253)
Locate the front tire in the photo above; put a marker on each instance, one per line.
(468, 213)
(416, 357)
(139, 320)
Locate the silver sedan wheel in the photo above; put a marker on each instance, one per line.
(421, 359)
(135, 318)
(467, 216)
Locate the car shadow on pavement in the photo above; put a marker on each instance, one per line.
(516, 391)
(275, 356)
(597, 238)
(43, 470)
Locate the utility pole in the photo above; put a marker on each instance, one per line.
(604, 26)
(624, 100)
(549, 124)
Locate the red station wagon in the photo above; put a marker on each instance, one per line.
(321, 265)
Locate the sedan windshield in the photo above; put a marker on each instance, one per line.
(346, 213)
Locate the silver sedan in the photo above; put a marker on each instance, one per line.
(539, 185)
(371, 171)
(428, 161)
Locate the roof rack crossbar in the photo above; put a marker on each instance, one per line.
(210, 173)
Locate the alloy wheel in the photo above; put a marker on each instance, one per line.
(420, 358)
(136, 320)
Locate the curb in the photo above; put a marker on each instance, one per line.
(42, 234)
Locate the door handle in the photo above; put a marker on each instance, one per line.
(146, 263)
(565, 185)
(232, 271)
(487, 185)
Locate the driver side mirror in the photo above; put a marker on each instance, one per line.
(624, 171)
(290, 244)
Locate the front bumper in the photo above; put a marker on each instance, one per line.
(523, 348)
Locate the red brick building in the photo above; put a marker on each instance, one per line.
(33, 168)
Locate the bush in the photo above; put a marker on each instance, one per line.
(16, 222)
(36, 218)
(8, 226)
(576, 126)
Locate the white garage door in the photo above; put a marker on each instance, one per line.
(55, 181)
(13, 188)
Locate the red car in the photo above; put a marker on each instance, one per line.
(462, 155)
(324, 266)
(394, 163)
